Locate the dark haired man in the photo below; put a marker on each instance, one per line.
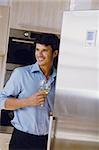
(22, 94)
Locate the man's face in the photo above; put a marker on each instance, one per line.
(44, 55)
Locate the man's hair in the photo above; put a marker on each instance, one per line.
(49, 39)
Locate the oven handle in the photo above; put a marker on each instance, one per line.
(23, 41)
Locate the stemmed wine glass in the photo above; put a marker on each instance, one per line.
(45, 86)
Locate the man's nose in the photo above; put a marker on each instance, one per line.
(40, 53)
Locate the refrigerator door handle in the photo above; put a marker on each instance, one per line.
(51, 134)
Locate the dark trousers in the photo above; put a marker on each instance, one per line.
(25, 141)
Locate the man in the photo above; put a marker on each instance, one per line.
(23, 95)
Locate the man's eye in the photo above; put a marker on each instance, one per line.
(37, 49)
(45, 50)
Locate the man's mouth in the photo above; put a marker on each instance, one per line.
(40, 59)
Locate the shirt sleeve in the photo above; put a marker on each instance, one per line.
(11, 89)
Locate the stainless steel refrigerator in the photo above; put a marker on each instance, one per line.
(75, 125)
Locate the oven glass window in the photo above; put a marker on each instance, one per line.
(21, 52)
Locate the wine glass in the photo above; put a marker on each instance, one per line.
(45, 86)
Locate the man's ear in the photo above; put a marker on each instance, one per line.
(55, 53)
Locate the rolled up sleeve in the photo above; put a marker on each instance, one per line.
(11, 89)
(2, 101)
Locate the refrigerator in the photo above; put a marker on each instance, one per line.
(75, 122)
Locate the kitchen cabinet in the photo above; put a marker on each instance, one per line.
(95, 4)
(4, 34)
(4, 2)
(4, 141)
(4, 20)
(0, 70)
(0, 63)
(44, 16)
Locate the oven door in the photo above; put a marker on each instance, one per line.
(21, 51)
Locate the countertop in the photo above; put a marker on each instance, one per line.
(6, 129)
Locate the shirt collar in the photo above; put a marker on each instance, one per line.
(35, 68)
(53, 72)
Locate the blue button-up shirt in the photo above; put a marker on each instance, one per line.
(23, 82)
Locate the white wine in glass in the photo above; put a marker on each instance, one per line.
(45, 86)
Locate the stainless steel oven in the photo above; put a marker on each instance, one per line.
(21, 47)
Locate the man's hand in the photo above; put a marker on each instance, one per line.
(37, 98)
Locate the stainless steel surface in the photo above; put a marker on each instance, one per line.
(77, 88)
(49, 133)
(77, 104)
(68, 134)
(62, 144)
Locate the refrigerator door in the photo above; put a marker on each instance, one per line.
(77, 88)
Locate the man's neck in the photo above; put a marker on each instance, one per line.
(46, 71)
